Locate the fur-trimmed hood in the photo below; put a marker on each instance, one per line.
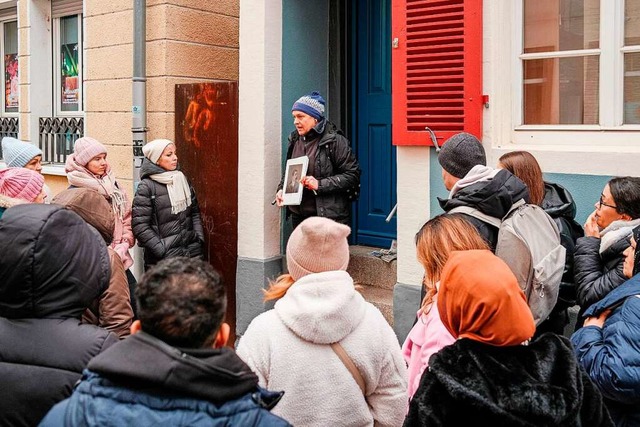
(7, 202)
(471, 383)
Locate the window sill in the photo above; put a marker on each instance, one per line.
(54, 169)
(572, 156)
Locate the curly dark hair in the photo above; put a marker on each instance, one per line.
(182, 301)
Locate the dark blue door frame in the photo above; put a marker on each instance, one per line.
(371, 118)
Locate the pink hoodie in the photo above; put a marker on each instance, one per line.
(428, 336)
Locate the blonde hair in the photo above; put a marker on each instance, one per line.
(435, 241)
(279, 287)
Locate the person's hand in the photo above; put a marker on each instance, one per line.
(597, 321)
(279, 199)
(629, 261)
(591, 228)
(310, 182)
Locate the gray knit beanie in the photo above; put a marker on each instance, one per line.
(460, 153)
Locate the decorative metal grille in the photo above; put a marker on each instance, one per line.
(8, 127)
(57, 136)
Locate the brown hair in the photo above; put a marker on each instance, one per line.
(523, 165)
(435, 241)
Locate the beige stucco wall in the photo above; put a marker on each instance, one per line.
(187, 41)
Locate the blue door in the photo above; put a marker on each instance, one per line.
(372, 118)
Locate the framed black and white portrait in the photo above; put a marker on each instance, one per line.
(295, 170)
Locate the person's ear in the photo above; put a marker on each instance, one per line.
(222, 337)
(135, 327)
(625, 217)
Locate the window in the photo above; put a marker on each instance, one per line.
(580, 64)
(68, 65)
(10, 55)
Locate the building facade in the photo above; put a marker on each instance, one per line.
(69, 64)
(556, 78)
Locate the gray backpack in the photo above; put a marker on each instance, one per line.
(529, 243)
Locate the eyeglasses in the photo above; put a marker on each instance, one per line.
(601, 203)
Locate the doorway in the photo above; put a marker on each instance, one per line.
(370, 71)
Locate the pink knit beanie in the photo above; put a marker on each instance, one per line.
(21, 183)
(87, 148)
(316, 245)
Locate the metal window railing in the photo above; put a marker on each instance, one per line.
(8, 127)
(57, 137)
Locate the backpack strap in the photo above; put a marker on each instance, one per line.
(351, 367)
(468, 210)
(496, 222)
(515, 206)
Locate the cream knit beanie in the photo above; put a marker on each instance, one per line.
(153, 150)
(317, 245)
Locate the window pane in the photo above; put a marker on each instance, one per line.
(554, 25)
(11, 97)
(69, 64)
(632, 88)
(561, 91)
(632, 22)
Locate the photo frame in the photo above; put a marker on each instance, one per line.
(292, 188)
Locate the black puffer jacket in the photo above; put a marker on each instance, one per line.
(559, 204)
(52, 266)
(336, 169)
(161, 233)
(597, 273)
(493, 197)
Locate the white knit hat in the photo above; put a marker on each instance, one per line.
(153, 150)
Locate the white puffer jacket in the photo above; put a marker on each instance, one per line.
(288, 348)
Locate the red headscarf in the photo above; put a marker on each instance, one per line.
(479, 299)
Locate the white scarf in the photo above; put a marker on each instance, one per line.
(177, 187)
(616, 231)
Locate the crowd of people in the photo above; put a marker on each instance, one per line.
(85, 344)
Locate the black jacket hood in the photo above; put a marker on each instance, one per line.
(558, 202)
(53, 264)
(493, 197)
(142, 361)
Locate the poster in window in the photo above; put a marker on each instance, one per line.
(69, 74)
(11, 81)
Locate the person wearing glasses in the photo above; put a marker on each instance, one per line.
(599, 256)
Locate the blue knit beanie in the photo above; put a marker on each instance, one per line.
(312, 104)
(17, 153)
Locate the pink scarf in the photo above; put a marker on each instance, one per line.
(79, 176)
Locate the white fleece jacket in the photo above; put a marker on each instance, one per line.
(288, 348)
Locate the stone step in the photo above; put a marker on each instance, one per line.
(367, 269)
(382, 298)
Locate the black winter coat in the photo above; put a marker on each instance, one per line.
(52, 266)
(559, 204)
(597, 273)
(473, 384)
(493, 197)
(336, 169)
(161, 233)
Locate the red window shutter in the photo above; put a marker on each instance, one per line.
(437, 69)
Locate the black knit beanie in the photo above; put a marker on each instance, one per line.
(460, 153)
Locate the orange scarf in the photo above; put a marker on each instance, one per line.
(479, 299)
